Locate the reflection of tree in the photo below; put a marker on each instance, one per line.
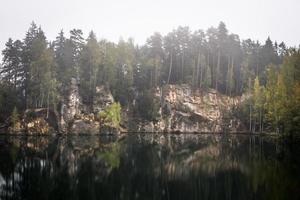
(147, 167)
(110, 156)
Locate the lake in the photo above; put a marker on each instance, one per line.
(149, 166)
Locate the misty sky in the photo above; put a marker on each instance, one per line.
(110, 19)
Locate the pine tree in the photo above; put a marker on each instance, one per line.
(12, 68)
(89, 67)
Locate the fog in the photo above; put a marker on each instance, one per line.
(112, 19)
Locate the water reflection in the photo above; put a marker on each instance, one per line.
(149, 166)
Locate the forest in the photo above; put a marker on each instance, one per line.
(36, 72)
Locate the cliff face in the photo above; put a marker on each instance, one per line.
(75, 117)
(184, 110)
(71, 106)
(181, 110)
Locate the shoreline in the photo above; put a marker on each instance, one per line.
(143, 133)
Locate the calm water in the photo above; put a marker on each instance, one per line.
(149, 167)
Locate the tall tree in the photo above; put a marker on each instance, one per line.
(155, 56)
(12, 69)
(90, 63)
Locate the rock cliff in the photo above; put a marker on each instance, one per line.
(181, 109)
(78, 118)
(184, 110)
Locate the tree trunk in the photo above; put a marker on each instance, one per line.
(260, 120)
(218, 68)
(182, 63)
(194, 77)
(48, 102)
(250, 127)
(228, 75)
(231, 76)
(170, 69)
(198, 63)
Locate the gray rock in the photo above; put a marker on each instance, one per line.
(71, 105)
(102, 99)
(184, 110)
(85, 127)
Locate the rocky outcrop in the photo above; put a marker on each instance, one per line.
(80, 126)
(71, 106)
(102, 99)
(36, 121)
(184, 110)
(180, 110)
(77, 118)
(74, 116)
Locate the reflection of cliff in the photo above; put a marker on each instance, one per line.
(150, 166)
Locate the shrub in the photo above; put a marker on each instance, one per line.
(111, 115)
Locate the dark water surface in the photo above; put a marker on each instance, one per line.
(147, 166)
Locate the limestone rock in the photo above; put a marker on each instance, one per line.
(184, 110)
(102, 99)
(71, 105)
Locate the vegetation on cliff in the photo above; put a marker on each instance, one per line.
(111, 116)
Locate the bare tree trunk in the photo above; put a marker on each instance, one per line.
(155, 71)
(231, 75)
(228, 74)
(198, 63)
(170, 69)
(195, 71)
(260, 120)
(250, 127)
(211, 71)
(182, 63)
(48, 102)
(15, 81)
(42, 101)
(218, 68)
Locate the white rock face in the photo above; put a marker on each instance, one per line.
(71, 105)
(184, 110)
(102, 99)
(73, 111)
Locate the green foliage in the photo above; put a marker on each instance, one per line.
(90, 63)
(282, 95)
(111, 115)
(111, 156)
(258, 104)
(8, 100)
(147, 107)
(14, 117)
(15, 121)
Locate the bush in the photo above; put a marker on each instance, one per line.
(111, 115)
(15, 121)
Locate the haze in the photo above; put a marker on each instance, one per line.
(112, 19)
